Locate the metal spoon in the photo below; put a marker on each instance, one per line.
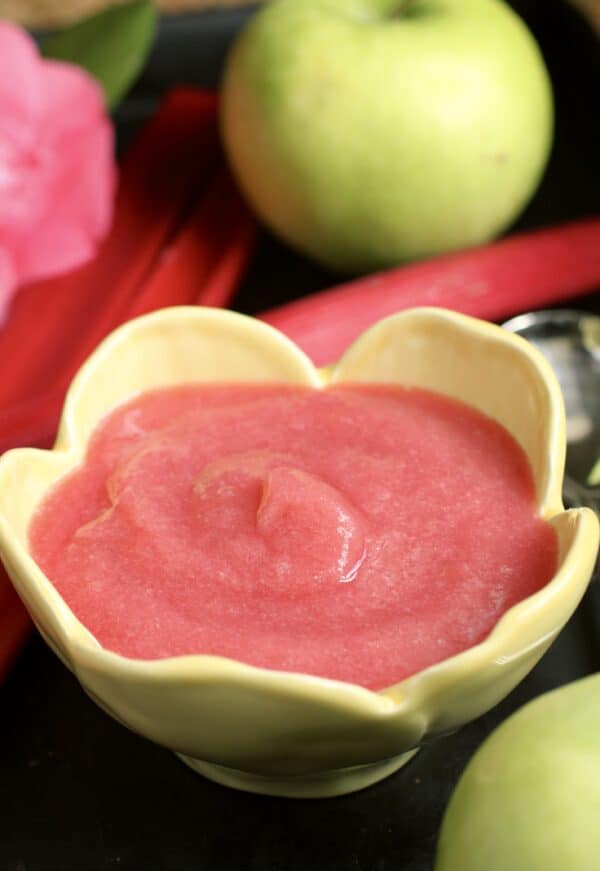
(570, 341)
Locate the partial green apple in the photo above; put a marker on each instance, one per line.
(529, 800)
(368, 132)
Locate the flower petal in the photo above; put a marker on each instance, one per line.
(20, 73)
(70, 98)
(79, 207)
(91, 199)
(57, 175)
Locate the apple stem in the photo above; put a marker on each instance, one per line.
(396, 8)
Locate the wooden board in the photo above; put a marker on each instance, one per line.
(591, 10)
(53, 13)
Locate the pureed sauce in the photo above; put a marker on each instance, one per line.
(360, 533)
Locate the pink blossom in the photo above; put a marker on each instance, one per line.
(57, 171)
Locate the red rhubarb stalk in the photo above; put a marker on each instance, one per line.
(519, 273)
(205, 263)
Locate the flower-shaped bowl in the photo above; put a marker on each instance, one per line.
(296, 734)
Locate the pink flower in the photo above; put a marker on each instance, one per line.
(57, 171)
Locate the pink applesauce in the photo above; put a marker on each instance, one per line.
(359, 533)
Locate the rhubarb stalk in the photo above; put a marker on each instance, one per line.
(520, 272)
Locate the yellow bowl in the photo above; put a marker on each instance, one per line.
(294, 734)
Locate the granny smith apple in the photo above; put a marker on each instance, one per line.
(367, 132)
(529, 800)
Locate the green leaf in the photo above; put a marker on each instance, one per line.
(594, 476)
(111, 45)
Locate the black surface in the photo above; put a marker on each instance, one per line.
(80, 793)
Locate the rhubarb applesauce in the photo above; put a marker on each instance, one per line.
(360, 533)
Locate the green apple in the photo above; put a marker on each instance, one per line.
(529, 800)
(367, 132)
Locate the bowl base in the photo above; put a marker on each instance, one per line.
(325, 784)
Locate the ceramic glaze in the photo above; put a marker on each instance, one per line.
(360, 533)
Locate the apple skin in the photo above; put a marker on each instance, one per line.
(529, 800)
(368, 132)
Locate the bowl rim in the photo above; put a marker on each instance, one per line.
(413, 692)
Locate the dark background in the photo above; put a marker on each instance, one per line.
(80, 793)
